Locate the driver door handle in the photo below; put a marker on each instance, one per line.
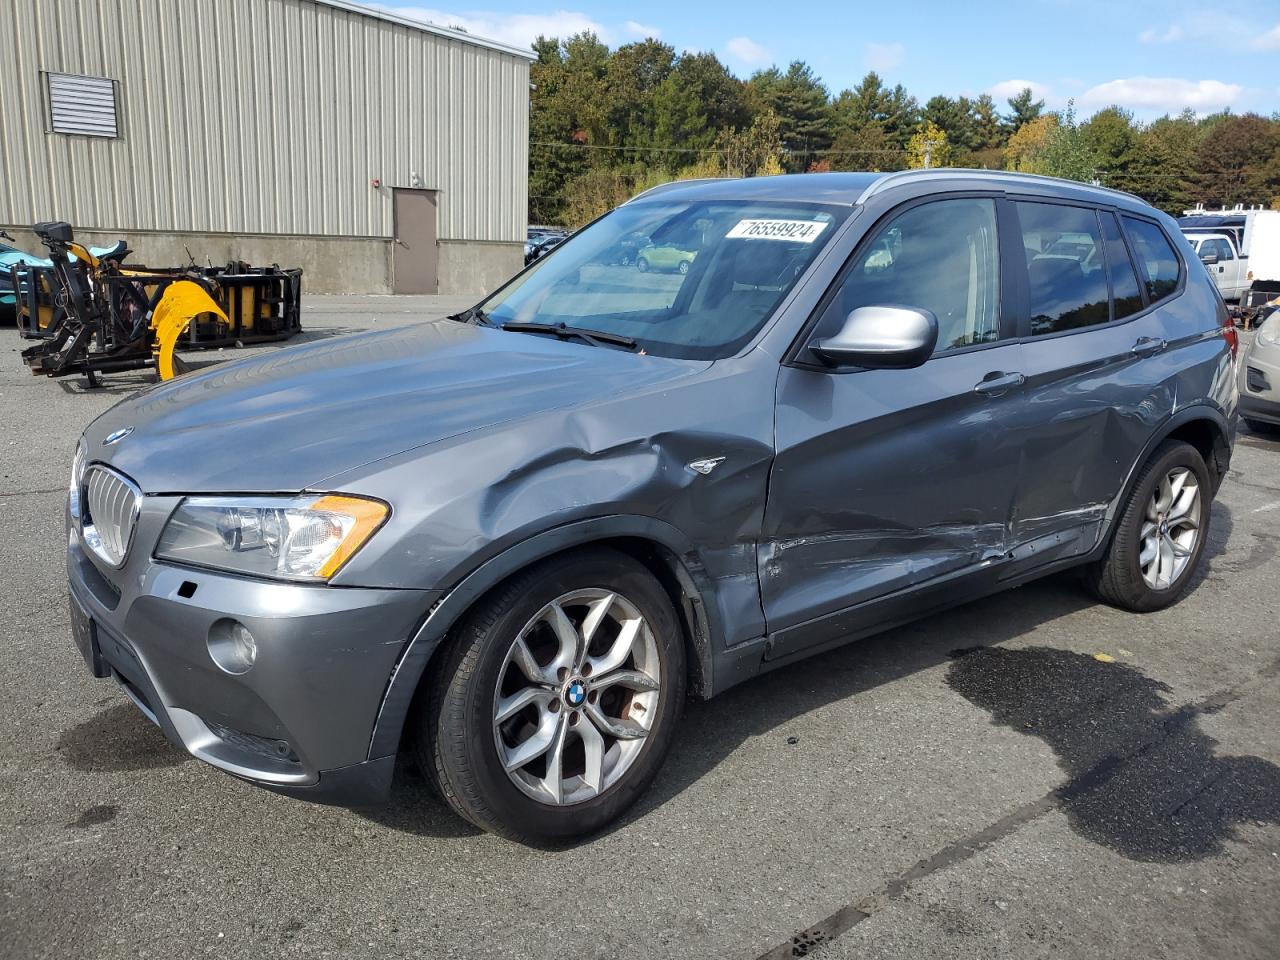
(998, 382)
(1148, 346)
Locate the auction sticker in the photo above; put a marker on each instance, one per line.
(796, 231)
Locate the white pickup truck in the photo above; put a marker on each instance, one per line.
(1230, 270)
(1245, 264)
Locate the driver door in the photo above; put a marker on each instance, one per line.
(887, 482)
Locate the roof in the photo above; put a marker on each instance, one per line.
(855, 188)
(449, 33)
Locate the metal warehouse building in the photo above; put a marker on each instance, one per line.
(379, 154)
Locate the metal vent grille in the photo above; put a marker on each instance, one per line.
(84, 105)
(111, 510)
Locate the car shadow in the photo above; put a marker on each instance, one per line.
(118, 738)
(1144, 780)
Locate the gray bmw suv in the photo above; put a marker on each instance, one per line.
(515, 540)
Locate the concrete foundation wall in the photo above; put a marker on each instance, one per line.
(476, 267)
(329, 264)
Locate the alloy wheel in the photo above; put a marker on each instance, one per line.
(576, 697)
(1170, 529)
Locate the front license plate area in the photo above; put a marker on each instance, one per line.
(85, 635)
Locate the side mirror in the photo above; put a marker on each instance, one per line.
(1208, 258)
(882, 337)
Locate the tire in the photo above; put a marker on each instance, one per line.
(1118, 578)
(642, 264)
(684, 267)
(460, 739)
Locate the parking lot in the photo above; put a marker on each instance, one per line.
(1030, 775)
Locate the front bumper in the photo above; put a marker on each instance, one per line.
(301, 719)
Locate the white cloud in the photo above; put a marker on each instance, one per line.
(748, 53)
(1171, 34)
(640, 31)
(883, 57)
(1006, 89)
(515, 29)
(1269, 40)
(1162, 94)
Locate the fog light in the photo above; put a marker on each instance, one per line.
(232, 646)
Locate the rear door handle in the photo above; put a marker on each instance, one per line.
(998, 382)
(1148, 346)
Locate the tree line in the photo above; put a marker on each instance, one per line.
(606, 124)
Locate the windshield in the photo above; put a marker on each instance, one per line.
(683, 279)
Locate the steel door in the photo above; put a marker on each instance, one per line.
(415, 257)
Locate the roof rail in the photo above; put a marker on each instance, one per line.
(907, 176)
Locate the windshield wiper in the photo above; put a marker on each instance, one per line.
(473, 315)
(594, 337)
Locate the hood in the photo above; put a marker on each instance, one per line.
(286, 420)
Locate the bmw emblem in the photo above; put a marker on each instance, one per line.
(115, 436)
(575, 693)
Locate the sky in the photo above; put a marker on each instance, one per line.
(1150, 56)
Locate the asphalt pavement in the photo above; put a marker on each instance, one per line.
(1032, 775)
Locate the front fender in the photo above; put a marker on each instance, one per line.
(689, 568)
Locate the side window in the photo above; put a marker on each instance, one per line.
(1156, 257)
(1124, 281)
(1065, 267)
(942, 256)
(1218, 247)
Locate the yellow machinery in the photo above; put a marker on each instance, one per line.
(96, 316)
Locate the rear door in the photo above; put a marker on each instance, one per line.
(888, 480)
(1093, 356)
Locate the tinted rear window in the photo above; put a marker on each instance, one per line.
(1066, 267)
(1124, 281)
(1155, 255)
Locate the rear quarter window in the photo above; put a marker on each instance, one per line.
(1156, 259)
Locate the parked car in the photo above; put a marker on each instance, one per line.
(669, 256)
(8, 256)
(1260, 376)
(537, 249)
(515, 540)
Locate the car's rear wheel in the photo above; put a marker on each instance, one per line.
(642, 264)
(555, 705)
(684, 266)
(1160, 533)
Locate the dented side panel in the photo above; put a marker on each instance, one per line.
(885, 479)
(1093, 404)
(467, 499)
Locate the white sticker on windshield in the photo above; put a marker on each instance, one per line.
(796, 231)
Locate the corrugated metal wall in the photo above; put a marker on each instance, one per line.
(260, 116)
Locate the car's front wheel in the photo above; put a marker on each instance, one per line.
(1160, 533)
(556, 702)
(642, 264)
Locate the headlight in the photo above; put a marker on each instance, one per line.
(290, 538)
(1269, 332)
(77, 476)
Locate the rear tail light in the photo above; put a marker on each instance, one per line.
(1229, 332)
